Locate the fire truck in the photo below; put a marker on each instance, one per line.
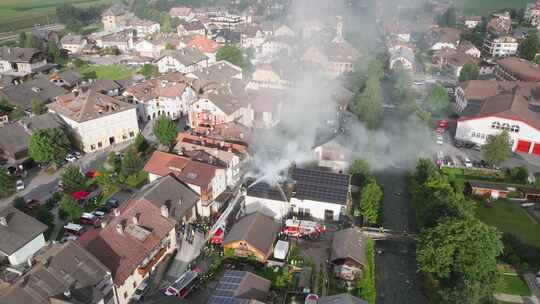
(303, 229)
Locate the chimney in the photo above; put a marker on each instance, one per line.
(120, 228)
(165, 211)
(3, 221)
(103, 224)
(116, 212)
(136, 219)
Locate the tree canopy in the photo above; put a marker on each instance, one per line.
(497, 148)
(140, 143)
(234, 55)
(368, 105)
(165, 130)
(437, 100)
(7, 184)
(448, 19)
(403, 94)
(470, 71)
(48, 145)
(371, 198)
(38, 107)
(530, 46)
(148, 70)
(72, 178)
(131, 163)
(70, 208)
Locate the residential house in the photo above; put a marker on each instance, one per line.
(402, 58)
(472, 22)
(62, 273)
(284, 30)
(133, 241)
(152, 47)
(468, 48)
(115, 17)
(443, 37)
(143, 27)
(14, 137)
(456, 60)
(15, 61)
(39, 89)
(73, 43)
(273, 75)
(276, 45)
(216, 152)
(489, 107)
(333, 155)
(206, 180)
(342, 298)
(514, 68)
(186, 60)
(253, 235)
(160, 97)
(67, 79)
(45, 35)
(267, 106)
(347, 254)
(336, 58)
(21, 235)
(217, 107)
(182, 12)
(205, 45)
(96, 121)
(236, 287)
(500, 46)
(106, 86)
(218, 72)
(532, 13)
(123, 41)
(500, 24)
(188, 28)
(252, 37)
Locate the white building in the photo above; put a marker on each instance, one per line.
(500, 47)
(186, 60)
(97, 121)
(161, 97)
(144, 27)
(489, 107)
(472, 21)
(532, 13)
(215, 108)
(15, 61)
(182, 12)
(333, 155)
(73, 43)
(21, 236)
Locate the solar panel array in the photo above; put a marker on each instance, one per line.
(321, 186)
(226, 288)
(263, 190)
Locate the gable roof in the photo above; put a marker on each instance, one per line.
(60, 268)
(43, 121)
(124, 252)
(523, 69)
(88, 105)
(21, 229)
(203, 44)
(348, 243)
(14, 139)
(17, 54)
(39, 89)
(321, 186)
(180, 11)
(186, 56)
(71, 39)
(256, 229)
(239, 287)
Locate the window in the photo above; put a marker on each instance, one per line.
(506, 126)
(514, 128)
(131, 134)
(92, 147)
(473, 134)
(125, 295)
(99, 144)
(124, 136)
(135, 284)
(496, 125)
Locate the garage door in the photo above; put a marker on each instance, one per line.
(523, 146)
(536, 149)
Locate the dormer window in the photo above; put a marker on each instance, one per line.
(496, 125)
(506, 126)
(514, 128)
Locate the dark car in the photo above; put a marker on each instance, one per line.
(112, 202)
(105, 209)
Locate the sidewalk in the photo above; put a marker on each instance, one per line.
(185, 255)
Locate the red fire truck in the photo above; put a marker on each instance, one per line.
(303, 229)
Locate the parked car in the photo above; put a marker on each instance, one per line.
(70, 158)
(443, 123)
(112, 202)
(440, 140)
(467, 162)
(89, 219)
(77, 154)
(74, 229)
(19, 185)
(99, 214)
(477, 147)
(140, 291)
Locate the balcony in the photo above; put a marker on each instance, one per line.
(146, 268)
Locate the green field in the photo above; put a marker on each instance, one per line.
(512, 283)
(486, 7)
(17, 14)
(111, 72)
(509, 217)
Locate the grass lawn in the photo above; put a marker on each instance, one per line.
(512, 283)
(486, 7)
(471, 174)
(111, 72)
(510, 218)
(17, 14)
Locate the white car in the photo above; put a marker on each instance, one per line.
(19, 185)
(141, 290)
(467, 162)
(70, 158)
(99, 214)
(440, 140)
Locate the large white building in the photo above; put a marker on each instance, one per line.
(21, 236)
(500, 46)
(490, 107)
(97, 121)
(186, 60)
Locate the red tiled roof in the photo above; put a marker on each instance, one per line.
(123, 253)
(186, 170)
(204, 44)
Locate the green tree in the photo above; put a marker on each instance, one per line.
(461, 252)
(89, 75)
(166, 23)
(140, 143)
(368, 105)
(437, 100)
(366, 284)
(44, 215)
(16, 113)
(370, 199)
(73, 179)
(55, 54)
(148, 70)
(115, 161)
(497, 148)
(234, 55)
(425, 170)
(403, 93)
(165, 130)
(48, 145)
(519, 174)
(360, 171)
(530, 46)
(7, 185)
(33, 42)
(70, 208)
(470, 71)
(131, 163)
(105, 180)
(284, 278)
(448, 19)
(38, 107)
(169, 46)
